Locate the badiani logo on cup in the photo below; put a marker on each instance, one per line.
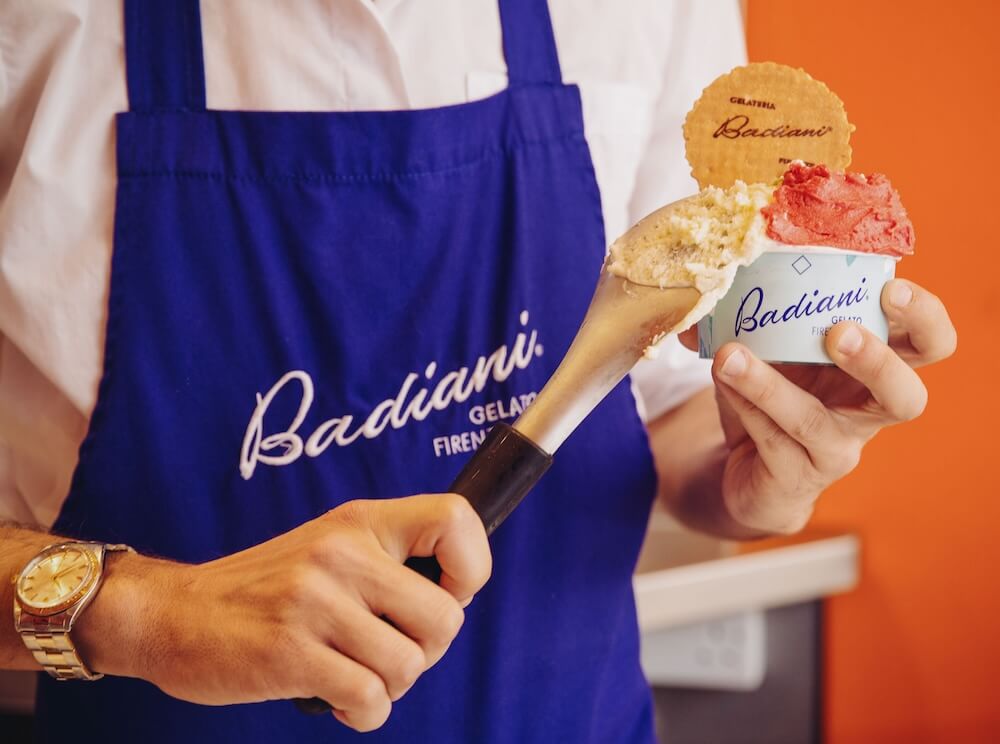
(783, 304)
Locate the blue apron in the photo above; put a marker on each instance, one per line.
(308, 308)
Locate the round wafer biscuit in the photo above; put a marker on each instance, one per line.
(750, 123)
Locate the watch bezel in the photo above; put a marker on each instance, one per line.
(93, 574)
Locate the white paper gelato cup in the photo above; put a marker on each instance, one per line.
(783, 304)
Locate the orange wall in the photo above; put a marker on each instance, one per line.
(914, 654)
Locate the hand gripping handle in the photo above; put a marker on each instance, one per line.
(501, 472)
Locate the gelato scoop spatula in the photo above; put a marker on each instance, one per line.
(623, 320)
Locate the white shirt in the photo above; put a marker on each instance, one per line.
(640, 65)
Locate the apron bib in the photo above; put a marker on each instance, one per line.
(309, 308)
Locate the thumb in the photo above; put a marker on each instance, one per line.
(445, 526)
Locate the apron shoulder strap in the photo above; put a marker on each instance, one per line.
(164, 64)
(165, 67)
(529, 46)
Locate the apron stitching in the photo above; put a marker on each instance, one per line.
(491, 154)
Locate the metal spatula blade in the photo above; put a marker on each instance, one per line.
(623, 320)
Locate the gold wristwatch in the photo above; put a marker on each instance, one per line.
(49, 595)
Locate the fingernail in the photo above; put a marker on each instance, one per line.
(735, 365)
(850, 341)
(900, 294)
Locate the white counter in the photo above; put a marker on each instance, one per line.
(684, 578)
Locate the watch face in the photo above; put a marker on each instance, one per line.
(55, 580)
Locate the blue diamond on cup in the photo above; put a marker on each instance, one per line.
(801, 265)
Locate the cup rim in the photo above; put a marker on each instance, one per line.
(819, 250)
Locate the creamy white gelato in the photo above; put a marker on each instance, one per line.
(696, 242)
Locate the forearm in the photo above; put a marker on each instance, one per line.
(304, 612)
(690, 453)
(107, 634)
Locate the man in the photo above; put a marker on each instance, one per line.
(310, 315)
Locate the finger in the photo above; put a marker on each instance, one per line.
(779, 453)
(796, 413)
(375, 644)
(357, 695)
(928, 334)
(425, 612)
(445, 526)
(783, 479)
(895, 387)
(345, 622)
(689, 338)
(732, 426)
(783, 482)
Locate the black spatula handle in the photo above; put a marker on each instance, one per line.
(500, 473)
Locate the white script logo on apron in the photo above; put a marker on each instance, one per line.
(455, 386)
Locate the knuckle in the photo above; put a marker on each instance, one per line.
(448, 621)
(913, 406)
(773, 436)
(880, 364)
(323, 550)
(767, 392)
(354, 513)
(367, 693)
(341, 552)
(456, 511)
(811, 425)
(299, 585)
(336, 549)
(846, 460)
(410, 664)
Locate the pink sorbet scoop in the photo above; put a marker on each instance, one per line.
(813, 206)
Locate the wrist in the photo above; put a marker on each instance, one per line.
(112, 634)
